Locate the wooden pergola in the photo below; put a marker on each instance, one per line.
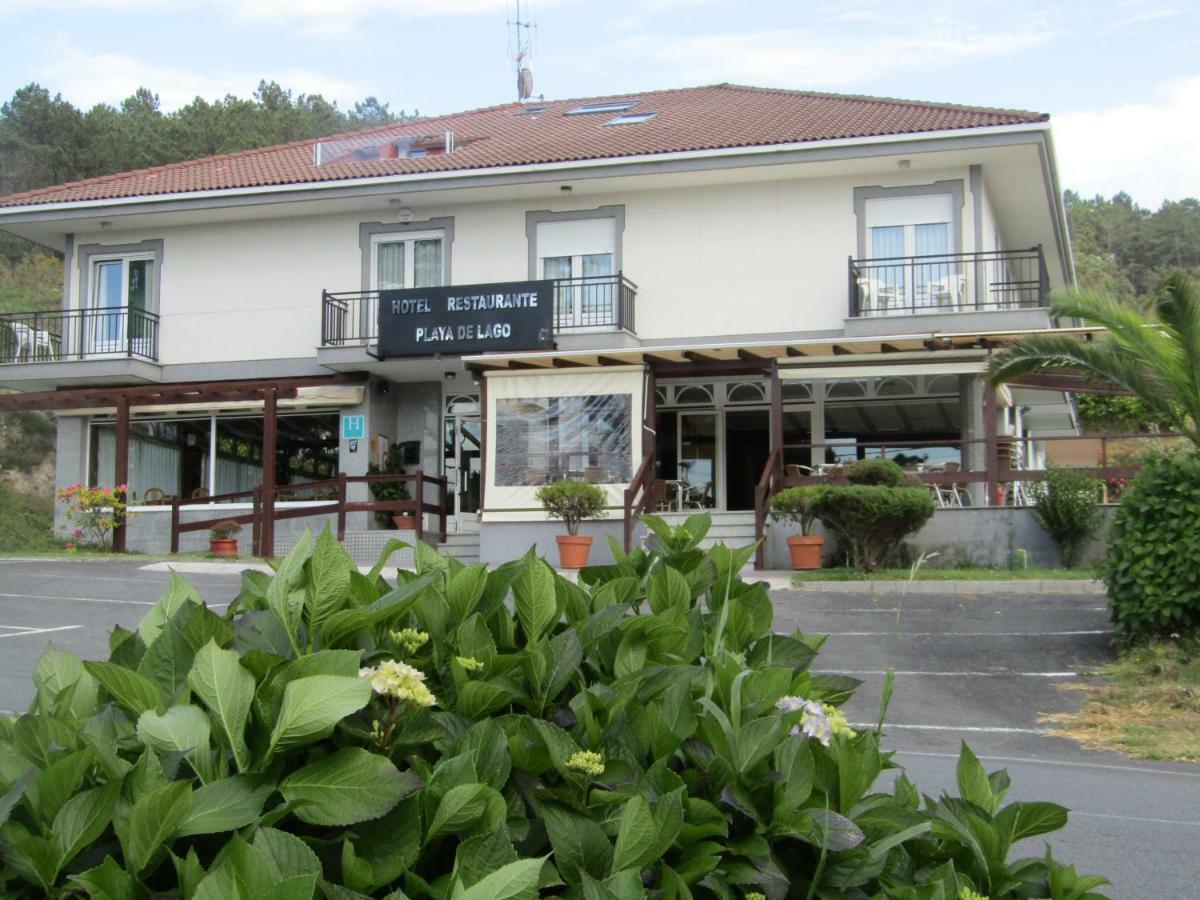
(125, 399)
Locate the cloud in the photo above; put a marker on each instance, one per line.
(1148, 150)
(87, 78)
(310, 16)
(815, 58)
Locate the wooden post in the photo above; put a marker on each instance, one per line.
(777, 417)
(121, 470)
(419, 492)
(174, 523)
(270, 396)
(341, 513)
(256, 521)
(991, 446)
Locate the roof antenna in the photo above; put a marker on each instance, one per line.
(520, 51)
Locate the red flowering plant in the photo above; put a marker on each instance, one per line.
(95, 511)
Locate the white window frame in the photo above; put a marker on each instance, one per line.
(410, 238)
(95, 337)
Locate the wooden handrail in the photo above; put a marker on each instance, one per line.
(634, 507)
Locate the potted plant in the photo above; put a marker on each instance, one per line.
(222, 538)
(796, 504)
(388, 491)
(573, 501)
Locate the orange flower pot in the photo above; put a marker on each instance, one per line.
(806, 551)
(405, 523)
(226, 547)
(573, 550)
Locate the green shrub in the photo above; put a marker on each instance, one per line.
(573, 501)
(881, 472)
(797, 504)
(1067, 505)
(389, 491)
(476, 735)
(26, 521)
(1151, 566)
(871, 521)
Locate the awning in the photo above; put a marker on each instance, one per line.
(678, 358)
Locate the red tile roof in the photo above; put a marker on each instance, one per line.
(700, 118)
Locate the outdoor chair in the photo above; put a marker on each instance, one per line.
(795, 470)
(154, 495)
(200, 493)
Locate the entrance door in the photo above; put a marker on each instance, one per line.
(747, 446)
(697, 460)
(464, 470)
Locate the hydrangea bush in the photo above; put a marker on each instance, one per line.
(466, 734)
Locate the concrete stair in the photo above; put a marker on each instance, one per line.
(463, 546)
(734, 529)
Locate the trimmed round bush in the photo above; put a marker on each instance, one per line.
(797, 504)
(1067, 505)
(572, 501)
(881, 472)
(872, 520)
(1152, 567)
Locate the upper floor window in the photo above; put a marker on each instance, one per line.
(909, 226)
(119, 304)
(409, 260)
(580, 254)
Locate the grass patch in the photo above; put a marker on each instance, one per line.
(1148, 706)
(25, 521)
(927, 574)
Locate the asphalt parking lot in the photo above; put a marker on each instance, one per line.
(981, 669)
(976, 668)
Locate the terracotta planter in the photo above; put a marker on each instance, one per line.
(226, 547)
(806, 551)
(405, 523)
(573, 550)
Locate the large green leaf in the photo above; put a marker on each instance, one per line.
(329, 586)
(342, 625)
(178, 730)
(312, 706)
(83, 819)
(579, 843)
(287, 576)
(535, 599)
(667, 589)
(153, 820)
(108, 881)
(349, 786)
(168, 660)
(515, 881)
(55, 784)
(973, 784)
(226, 804)
(227, 690)
(178, 592)
(464, 589)
(131, 690)
(467, 806)
(482, 854)
(58, 670)
(637, 836)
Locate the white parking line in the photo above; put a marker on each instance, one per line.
(950, 674)
(932, 609)
(1094, 815)
(1052, 762)
(97, 600)
(963, 633)
(29, 632)
(972, 729)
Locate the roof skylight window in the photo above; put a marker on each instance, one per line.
(532, 111)
(632, 118)
(613, 106)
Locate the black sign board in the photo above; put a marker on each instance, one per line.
(471, 318)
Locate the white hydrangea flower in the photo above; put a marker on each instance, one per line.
(392, 678)
(819, 720)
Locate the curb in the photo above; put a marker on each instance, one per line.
(897, 588)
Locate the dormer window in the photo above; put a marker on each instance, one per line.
(613, 106)
(632, 118)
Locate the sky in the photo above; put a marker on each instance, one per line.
(1120, 79)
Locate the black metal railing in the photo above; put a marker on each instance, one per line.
(949, 282)
(590, 303)
(73, 334)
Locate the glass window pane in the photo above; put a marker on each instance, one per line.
(389, 265)
(599, 297)
(108, 284)
(166, 458)
(139, 283)
(306, 450)
(545, 439)
(427, 263)
(698, 458)
(564, 294)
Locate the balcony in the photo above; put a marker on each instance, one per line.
(78, 334)
(589, 304)
(991, 281)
